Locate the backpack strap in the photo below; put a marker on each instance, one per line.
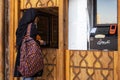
(28, 29)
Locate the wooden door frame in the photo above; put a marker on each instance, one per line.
(2, 40)
(13, 23)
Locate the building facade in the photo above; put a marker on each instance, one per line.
(61, 63)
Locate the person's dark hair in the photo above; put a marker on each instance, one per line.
(28, 17)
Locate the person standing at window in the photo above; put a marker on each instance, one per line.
(28, 17)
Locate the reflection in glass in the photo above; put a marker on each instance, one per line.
(106, 12)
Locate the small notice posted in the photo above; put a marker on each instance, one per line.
(93, 30)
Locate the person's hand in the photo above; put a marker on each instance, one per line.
(42, 42)
(38, 37)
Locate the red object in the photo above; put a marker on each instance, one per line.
(113, 29)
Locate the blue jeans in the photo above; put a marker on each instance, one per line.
(29, 78)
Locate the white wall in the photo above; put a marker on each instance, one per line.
(77, 25)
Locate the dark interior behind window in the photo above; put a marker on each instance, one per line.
(48, 29)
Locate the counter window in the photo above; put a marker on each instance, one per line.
(47, 26)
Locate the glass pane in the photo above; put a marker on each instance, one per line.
(106, 12)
